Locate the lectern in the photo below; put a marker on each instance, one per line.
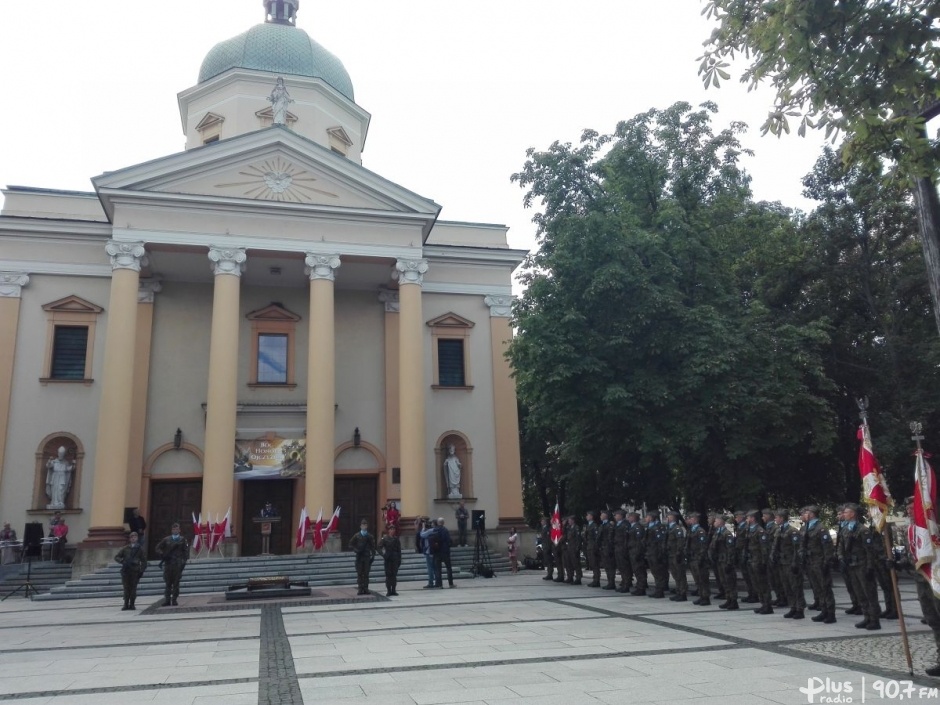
(265, 524)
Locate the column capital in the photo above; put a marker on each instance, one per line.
(391, 300)
(410, 271)
(126, 255)
(12, 283)
(500, 305)
(227, 260)
(319, 266)
(146, 289)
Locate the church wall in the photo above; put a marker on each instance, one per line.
(469, 412)
(39, 410)
(80, 251)
(498, 277)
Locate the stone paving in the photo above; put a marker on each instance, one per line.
(506, 641)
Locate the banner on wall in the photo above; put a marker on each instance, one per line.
(270, 458)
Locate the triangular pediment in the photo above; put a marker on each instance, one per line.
(450, 320)
(210, 120)
(339, 134)
(273, 165)
(72, 304)
(273, 313)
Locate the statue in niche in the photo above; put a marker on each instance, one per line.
(59, 472)
(452, 468)
(279, 100)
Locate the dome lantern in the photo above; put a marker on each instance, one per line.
(281, 11)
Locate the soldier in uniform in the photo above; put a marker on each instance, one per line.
(133, 564)
(545, 537)
(390, 548)
(929, 602)
(856, 607)
(758, 555)
(363, 544)
(698, 558)
(740, 532)
(816, 555)
(656, 553)
(882, 572)
(572, 551)
(173, 551)
(723, 555)
(676, 550)
(605, 547)
(773, 575)
(589, 541)
(637, 548)
(621, 556)
(856, 558)
(784, 556)
(719, 581)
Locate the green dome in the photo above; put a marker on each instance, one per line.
(279, 48)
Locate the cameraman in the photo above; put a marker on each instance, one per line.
(425, 531)
(442, 556)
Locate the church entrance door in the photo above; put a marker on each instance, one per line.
(280, 493)
(357, 498)
(172, 501)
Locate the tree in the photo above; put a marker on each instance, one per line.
(642, 348)
(868, 68)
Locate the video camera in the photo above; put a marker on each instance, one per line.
(478, 520)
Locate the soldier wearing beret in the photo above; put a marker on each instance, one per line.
(621, 548)
(390, 549)
(724, 556)
(786, 560)
(637, 547)
(173, 551)
(605, 547)
(698, 558)
(773, 577)
(856, 558)
(133, 564)
(817, 553)
(758, 555)
(572, 551)
(676, 550)
(657, 553)
(589, 541)
(856, 607)
(740, 533)
(363, 544)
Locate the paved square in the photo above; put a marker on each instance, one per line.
(509, 640)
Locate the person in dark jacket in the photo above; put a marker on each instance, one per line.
(133, 564)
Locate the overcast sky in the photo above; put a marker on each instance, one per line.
(457, 90)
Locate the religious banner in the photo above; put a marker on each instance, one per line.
(269, 458)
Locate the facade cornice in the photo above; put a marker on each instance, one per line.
(456, 254)
(49, 227)
(57, 268)
(466, 289)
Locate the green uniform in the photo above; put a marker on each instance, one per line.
(676, 547)
(605, 548)
(390, 548)
(559, 550)
(740, 532)
(857, 557)
(786, 561)
(817, 555)
(637, 548)
(856, 608)
(589, 541)
(657, 557)
(173, 555)
(883, 573)
(773, 574)
(758, 556)
(622, 555)
(548, 557)
(723, 555)
(572, 553)
(133, 564)
(364, 547)
(699, 564)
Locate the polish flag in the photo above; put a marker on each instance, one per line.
(302, 528)
(556, 526)
(874, 490)
(197, 537)
(219, 530)
(332, 526)
(924, 534)
(318, 531)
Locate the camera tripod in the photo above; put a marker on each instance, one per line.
(482, 565)
(27, 587)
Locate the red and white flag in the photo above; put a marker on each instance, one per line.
(318, 531)
(874, 490)
(302, 528)
(924, 534)
(556, 526)
(219, 529)
(197, 537)
(332, 526)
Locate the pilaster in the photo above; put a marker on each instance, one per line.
(11, 289)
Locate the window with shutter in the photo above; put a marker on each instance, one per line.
(450, 362)
(69, 348)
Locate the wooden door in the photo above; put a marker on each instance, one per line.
(357, 498)
(172, 501)
(280, 493)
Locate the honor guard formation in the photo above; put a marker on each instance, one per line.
(758, 557)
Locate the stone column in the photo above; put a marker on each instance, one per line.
(392, 433)
(218, 472)
(11, 288)
(411, 387)
(116, 403)
(505, 415)
(321, 384)
(146, 292)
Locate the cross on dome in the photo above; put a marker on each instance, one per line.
(281, 11)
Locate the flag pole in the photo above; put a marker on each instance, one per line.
(889, 556)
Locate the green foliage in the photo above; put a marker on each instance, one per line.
(865, 68)
(649, 363)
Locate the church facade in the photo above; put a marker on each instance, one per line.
(256, 319)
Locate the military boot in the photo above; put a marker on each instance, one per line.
(854, 609)
(789, 615)
(703, 602)
(733, 605)
(830, 617)
(863, 624)
(798, 614)
(873, 625)
(781, 602)
(933, 671)
(820, 617)
(814, 607)
(125, 607)
(889, 614)
(678, 598)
